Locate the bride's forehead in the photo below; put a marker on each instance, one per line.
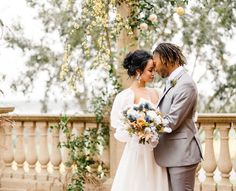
(150, 63)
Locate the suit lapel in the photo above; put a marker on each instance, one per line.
(171, 86)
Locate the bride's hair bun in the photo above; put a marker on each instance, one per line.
(136, 60)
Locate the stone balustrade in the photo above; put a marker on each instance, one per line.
(31, 160)
(216, 171)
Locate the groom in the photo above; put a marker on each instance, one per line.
(180, 150)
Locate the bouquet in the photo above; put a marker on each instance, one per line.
(145, 121)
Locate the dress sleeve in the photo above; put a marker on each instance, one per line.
(121, 132)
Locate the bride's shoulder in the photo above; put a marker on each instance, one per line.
(124, 93)
(122, 98)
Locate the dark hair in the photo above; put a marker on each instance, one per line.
(136, 60)
(170, 54)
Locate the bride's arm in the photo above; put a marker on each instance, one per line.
(116, 117)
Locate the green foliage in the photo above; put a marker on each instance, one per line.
(224, 96)
(84, 152)
(86, 34)
(202, 32)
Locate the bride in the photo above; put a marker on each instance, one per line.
(137, 170)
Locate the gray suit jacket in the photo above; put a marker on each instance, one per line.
(178, 104)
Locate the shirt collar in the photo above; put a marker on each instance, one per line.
(175, 73)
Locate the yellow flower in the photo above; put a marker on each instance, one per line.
(76, 25)
(180, 11)
(141, 122)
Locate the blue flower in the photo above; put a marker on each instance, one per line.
(148, 119)
(147, 106)
(141, 106)
(131, 118)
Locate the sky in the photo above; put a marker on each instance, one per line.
(12, 62)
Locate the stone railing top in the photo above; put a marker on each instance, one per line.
(90, 118)
(6, 109)
(217, 118)
(51, 118)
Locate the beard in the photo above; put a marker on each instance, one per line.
(163, 72)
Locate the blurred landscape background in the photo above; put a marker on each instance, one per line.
(32, 47)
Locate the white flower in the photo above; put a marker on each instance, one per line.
(167, 129)
(88, 168)
(153, 129)
(100, 148)
(152, 18)
(143, 26)
(131, 112)
(147, 130)
(102, 174)
(99, 168)
(158, 120)
(86, 151)
(152, 114)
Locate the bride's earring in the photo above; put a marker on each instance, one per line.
(138, 78)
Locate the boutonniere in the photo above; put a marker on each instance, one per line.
(173, 82)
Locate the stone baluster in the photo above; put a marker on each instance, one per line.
(91, 125)
(20, 151)
(31, 154)
(234, 165)
(55, 158)
(2, 146)
(65, 157)
(79, 127)
(224, 162)
(197, 186)
(105, 154)
(8, 155)
(209, 162)
(43, 155)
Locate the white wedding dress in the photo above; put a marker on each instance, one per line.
(137, 170)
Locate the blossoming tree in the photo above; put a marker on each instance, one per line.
(90, 30)
(95, 35)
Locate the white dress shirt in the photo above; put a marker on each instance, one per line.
(175, 73)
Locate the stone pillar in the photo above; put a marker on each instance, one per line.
(66, 176)
(8, 155)
(43, 155)
(20, 151)
(125, 43)
(234, 165)
(2, 146)
(31, 154)
(197, 186)
(3, 110)
(209, 162)
(55, 158)
(224, 163)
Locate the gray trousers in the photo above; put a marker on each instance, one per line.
(181, 178)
